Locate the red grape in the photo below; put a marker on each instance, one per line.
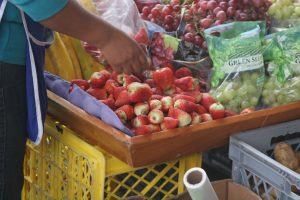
(243, 17)
(230, 11)
(187, 15)
(205, 23)
(146, 10)
(221, 15)
(198, 40)
(203, 5)
(166, 10)
(211, 4)
(189, 28)
(176, 8)
(233, 3)
(254, 16)
(223, 5)
(155, 12)
(218, 22)
(216, 10)
(169, 19)
(189, 37)
(257, 3)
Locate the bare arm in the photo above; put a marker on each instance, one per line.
(121, 52)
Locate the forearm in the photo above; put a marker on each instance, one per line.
(79, 23)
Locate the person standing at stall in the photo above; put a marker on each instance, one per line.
(23, 100)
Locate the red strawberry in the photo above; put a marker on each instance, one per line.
(185, 97)
(146, 129)
(229, 113)
(207, 100)
(141, 108)
(196, 94)
(169, 65)
(117, 91)
(157, 90)
(110, 102)
(156, 116)
(83, 84)
(139, 92)
(140, 120)
(196, 118)
(141, 36)
(117, 77)
(206, 117)
(187, 83)
(128, 109)
(201, 110)
(170, 91)
(183, 72)
(155, 104)
(185, 105)
(183, 117)
(150, 82)
(163, 78)
(179, 91)
(169, 123)
(156, 96)
(127, 79)
(98, 79)
(217, 111)
(122, 99)
(122, 116)
(110, 86)
(167, 102)
(247, 110)
(98, 93)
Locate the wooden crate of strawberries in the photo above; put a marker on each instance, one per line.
(167, 111)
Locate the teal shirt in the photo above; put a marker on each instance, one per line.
(12, 34)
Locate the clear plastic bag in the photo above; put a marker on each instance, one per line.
(238, 72)
(282, 86)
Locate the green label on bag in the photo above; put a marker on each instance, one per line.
(243, 64)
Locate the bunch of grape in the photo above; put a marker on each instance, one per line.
(239, 93)
(276, 94)
(285, 9)
(203, 14)
(167, 16)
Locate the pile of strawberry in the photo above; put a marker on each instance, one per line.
(165, 99)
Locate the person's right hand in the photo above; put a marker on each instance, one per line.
(124, 54)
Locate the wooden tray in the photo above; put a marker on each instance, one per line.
(168, 145)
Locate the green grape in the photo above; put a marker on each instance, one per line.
(297, 10)
(245, 104)
(253, 101)
(278, 14)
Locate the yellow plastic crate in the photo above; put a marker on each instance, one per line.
(66, 167)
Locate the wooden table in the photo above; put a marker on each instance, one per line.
(168, 145)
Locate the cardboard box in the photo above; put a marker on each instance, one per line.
(225, 189)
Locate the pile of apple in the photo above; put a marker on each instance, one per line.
(165, 99)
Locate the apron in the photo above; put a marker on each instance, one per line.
(38, 38)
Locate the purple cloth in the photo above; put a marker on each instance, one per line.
(84, 101)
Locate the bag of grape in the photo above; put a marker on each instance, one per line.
(283, 54)
(238, 71)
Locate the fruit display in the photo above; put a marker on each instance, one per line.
(284, 9)
(166, 99)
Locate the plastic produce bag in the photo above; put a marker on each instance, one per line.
(283, 54)
(238, 73)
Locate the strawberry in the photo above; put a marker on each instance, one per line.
(183, 117)
(196, 118)
(167, 102)
(117, 77)
(156, 96)
(150, 82)
(128, 109)
(169, 123)
(146, 129)
(110, 102)
(139, 92)
(98, 79)
(178, 90)
(122, 99)
(169, 65)
(117, 91)
(247, 110)
(183, 72)
(127, 79)
(122, 116)
(141, 108)
(170, 91)
(142, 36)
(156, 116)
(163, 78)
(196, 94)
(157, 90)
(185, 97)
(201, 110)
(206, 117)
(83, 84)
(98, 93)
(187, 83)
(140, 120)
(217, 111)
(185, 105)
(207, 100)
(229, 113)
(110, 86)
(155, 104)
